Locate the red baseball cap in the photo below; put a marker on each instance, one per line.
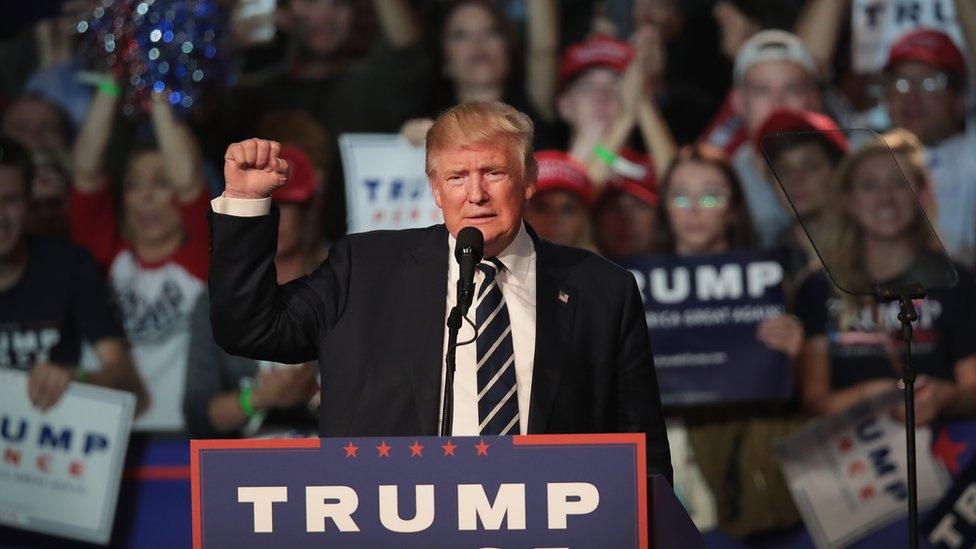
(930, 47)
(598, 51)
(559, 171)
(633, 173)
(792, 120)
(302, 184)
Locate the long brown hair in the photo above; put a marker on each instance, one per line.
(844, 251)
(740, 234)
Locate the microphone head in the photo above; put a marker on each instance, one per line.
(470, 242)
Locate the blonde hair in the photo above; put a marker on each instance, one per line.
(480, 122)
(844, 250)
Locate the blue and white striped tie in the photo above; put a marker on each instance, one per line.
(498, 412)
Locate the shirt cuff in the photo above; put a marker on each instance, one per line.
(241, 207)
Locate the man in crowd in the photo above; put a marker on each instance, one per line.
(52, 297)
(772, 70)
(562, 343)
(925, 85)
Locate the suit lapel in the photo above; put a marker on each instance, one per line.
(424, 298)
(555, 311)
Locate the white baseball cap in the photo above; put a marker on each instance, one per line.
(772, 45)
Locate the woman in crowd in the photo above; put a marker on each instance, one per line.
(878, 238)
(560, 209)
(703, 212)
(479, 60)
(232, 396)
(157, 253)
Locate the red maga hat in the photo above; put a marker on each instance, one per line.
(598, 51)
(559, 171)
(302, 184)
(633, 173)
(793, 120)
(930, 47)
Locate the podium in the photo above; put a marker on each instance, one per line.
(540, 491)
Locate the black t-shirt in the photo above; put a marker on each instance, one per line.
(61, 300)
(944, 332)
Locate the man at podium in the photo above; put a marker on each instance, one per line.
(558, 338)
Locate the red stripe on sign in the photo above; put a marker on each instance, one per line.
(158, 472)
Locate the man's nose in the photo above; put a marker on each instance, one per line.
(477, 193)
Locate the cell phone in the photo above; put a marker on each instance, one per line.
(257, 17)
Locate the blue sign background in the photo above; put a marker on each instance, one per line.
(701, 358)
(613, 463)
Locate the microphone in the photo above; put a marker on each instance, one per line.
(468, 251)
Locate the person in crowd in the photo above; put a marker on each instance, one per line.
(703, 211)
(603, 96)
(925, 90)
(296, 128)
(560, 209)
(772, 70)
(803, 148)
(39, 125)
(49, 198)
(878, 237)
(326, 74)
(477, 47)
(229, 395)
(625, 217)
(156, 254)
(52, 299)
(737, 21)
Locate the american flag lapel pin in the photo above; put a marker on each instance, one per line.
(563, 296)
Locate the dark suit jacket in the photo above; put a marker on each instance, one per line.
(373, 314)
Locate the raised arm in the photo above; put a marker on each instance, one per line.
(181, 155)
(252, 316)
(398, 22)
(819, 27)
(88, 151)
(541, 56)
(966, 14)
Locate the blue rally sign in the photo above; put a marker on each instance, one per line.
(530, 491)
(702, 313)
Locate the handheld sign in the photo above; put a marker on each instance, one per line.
(522, 491)
(60, 470)
(877, 24)
(386, 186)
(847, 472)
(702, 315)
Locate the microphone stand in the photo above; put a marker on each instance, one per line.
(453, 327)
(907, 314)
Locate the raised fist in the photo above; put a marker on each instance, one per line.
(252, 169)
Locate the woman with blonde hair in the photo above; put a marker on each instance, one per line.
(877, 237)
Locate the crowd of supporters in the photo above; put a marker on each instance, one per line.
(656, 125)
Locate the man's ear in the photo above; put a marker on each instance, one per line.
(529, 189)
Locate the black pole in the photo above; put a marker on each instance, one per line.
(907, 314)
(447, 403)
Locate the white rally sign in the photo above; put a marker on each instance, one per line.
(386, 186)
(60, 470)
(877, 24)
(847, 472)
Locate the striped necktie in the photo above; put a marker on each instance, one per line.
(498, 412)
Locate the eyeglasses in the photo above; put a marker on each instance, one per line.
(705, 201)
(926, 84)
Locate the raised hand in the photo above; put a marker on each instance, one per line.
(252, 169)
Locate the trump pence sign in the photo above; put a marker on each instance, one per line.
(523, 491)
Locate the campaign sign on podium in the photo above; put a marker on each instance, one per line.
(529, 491)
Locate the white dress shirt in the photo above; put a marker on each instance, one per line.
(518, 284)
